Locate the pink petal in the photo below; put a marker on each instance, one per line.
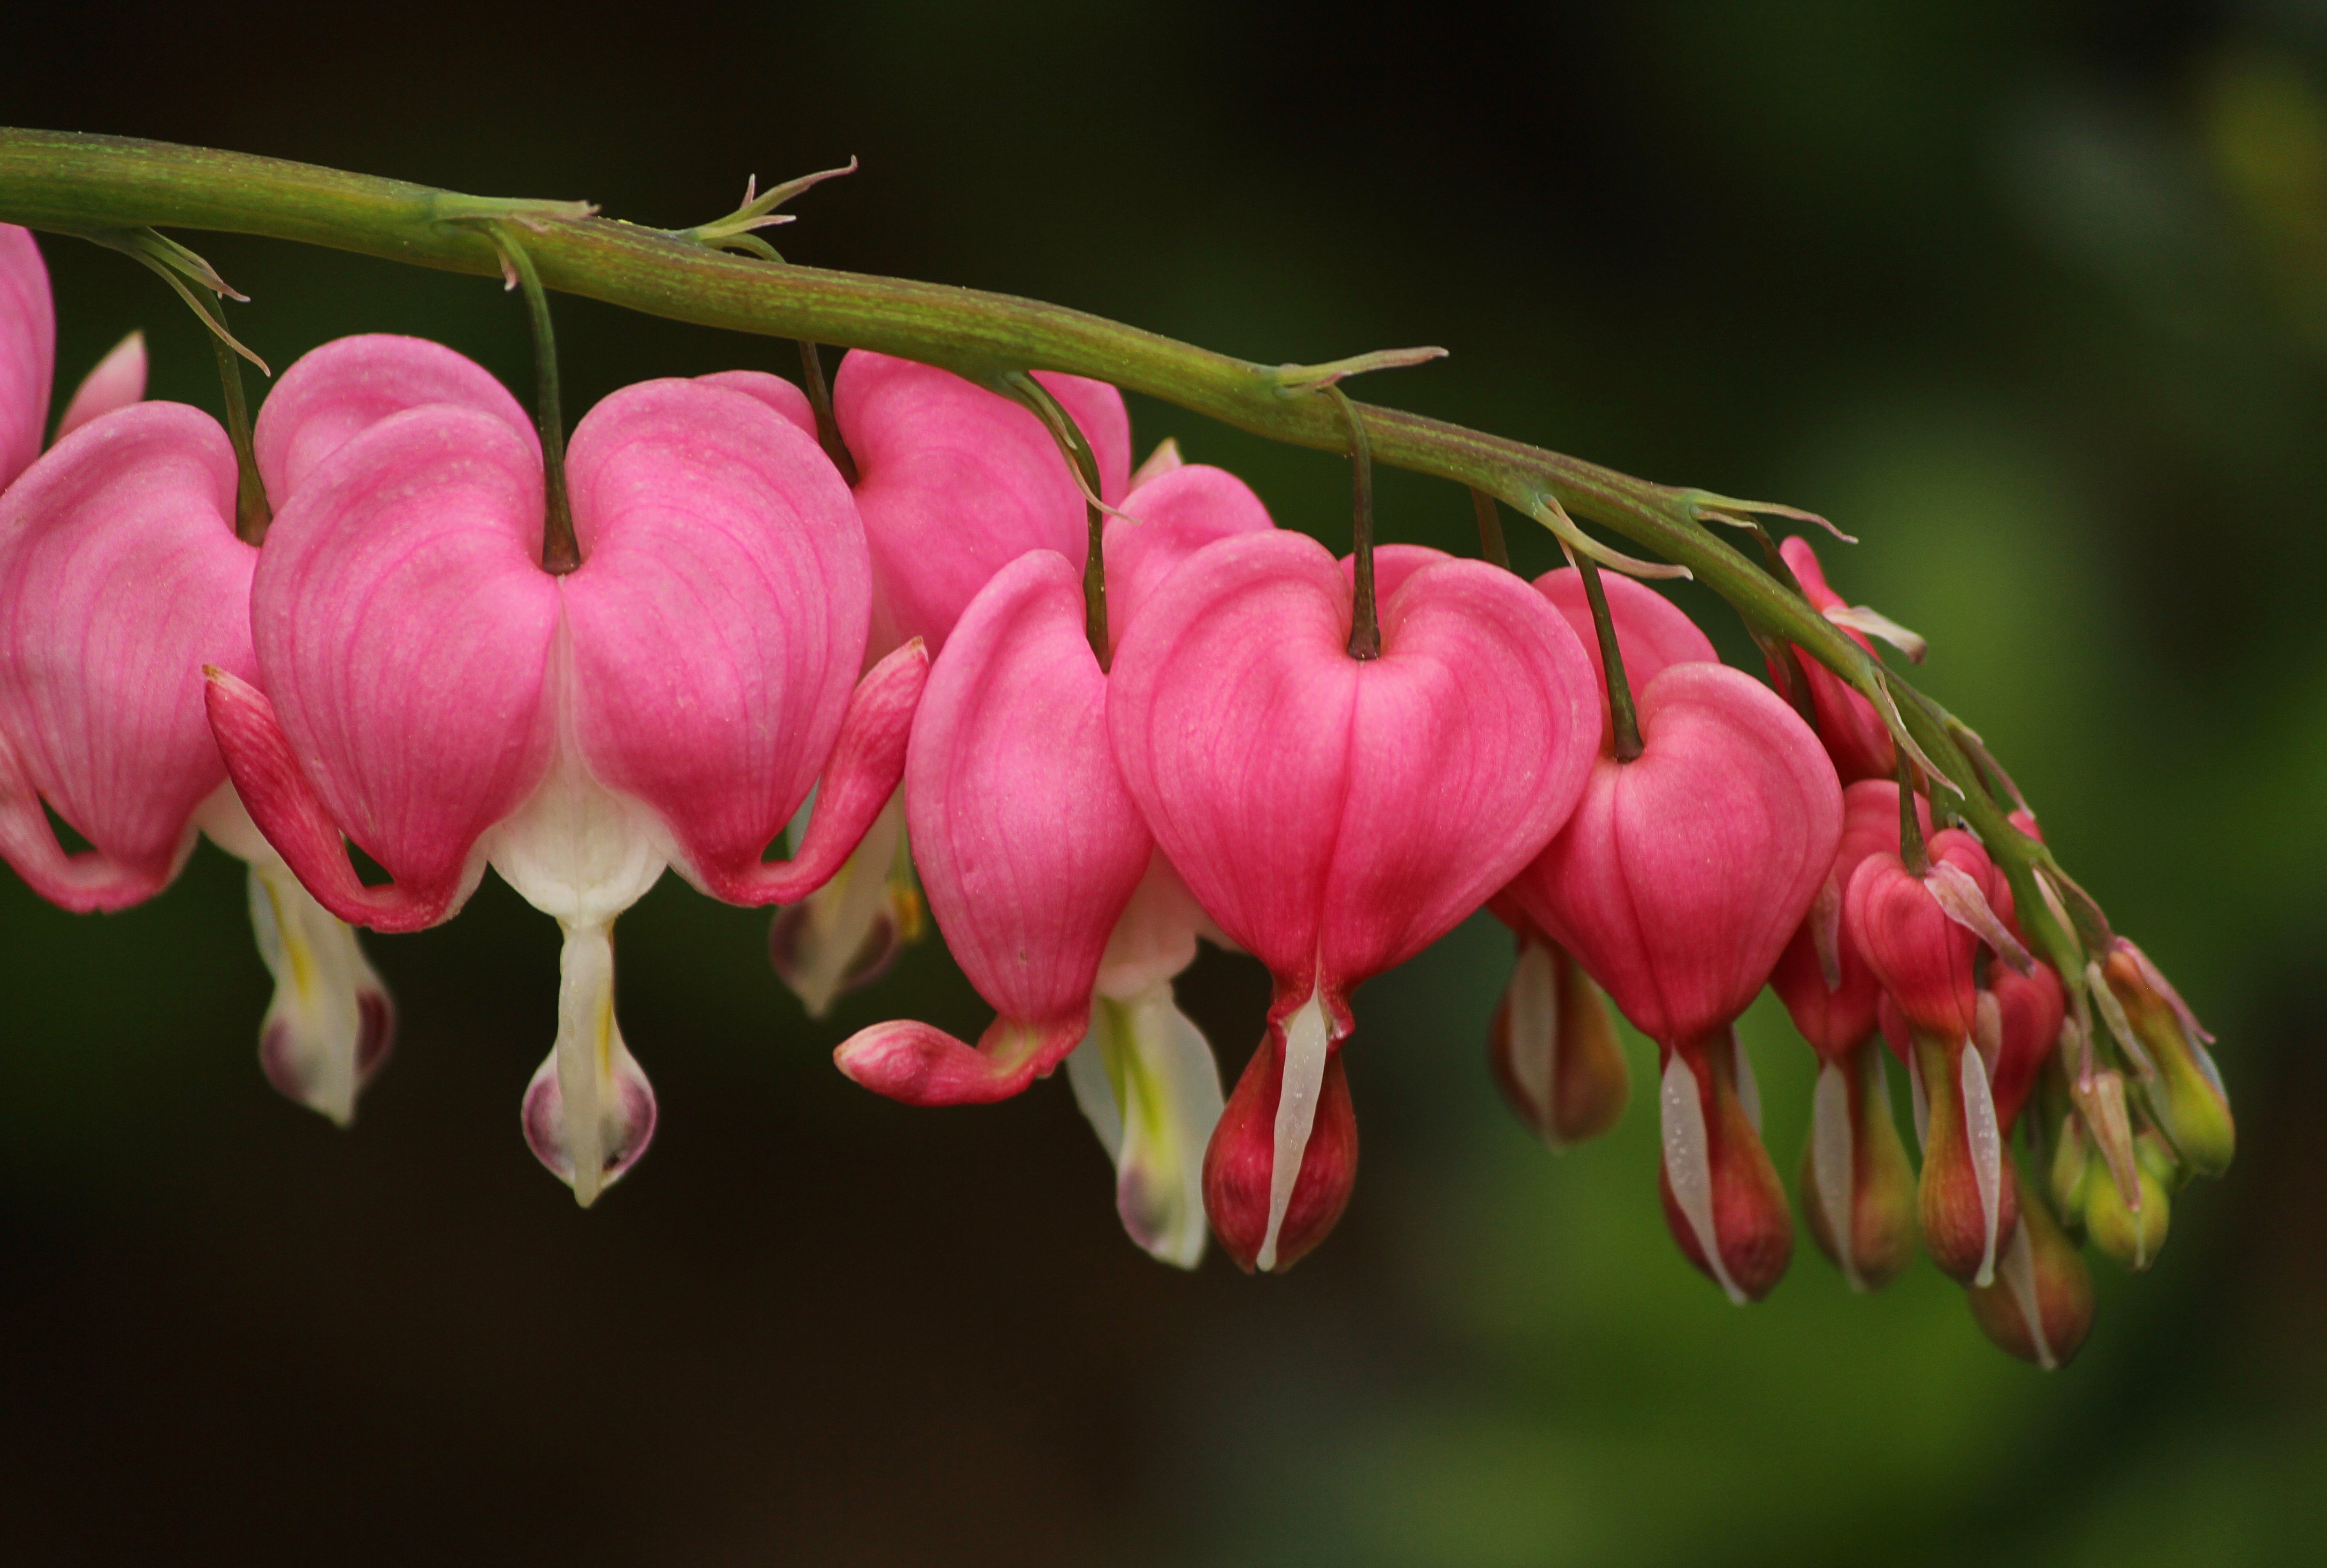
(1684, 872)
(718, 623)
(116, 381)
(28, 351)
(120, 577)
(1393, 565)
(1651, 631)
(403, 625)
(1326, 810)
(955, 482)
(1166, 520)
(772, 390)
(1028, 846)
(332, 394)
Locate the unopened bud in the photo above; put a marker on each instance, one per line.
(2133, 1234)
(1553, 1047)
(1722, 1198)
(1240, 1163)
(2187, 1092)
(2041, 1306)
(1965, 1199)
(2099, 1098)
(2072, 1168)
(1858, 1191)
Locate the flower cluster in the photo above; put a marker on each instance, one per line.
(880, 614)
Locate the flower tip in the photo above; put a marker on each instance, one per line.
(1264, 1230)
(916, 1064)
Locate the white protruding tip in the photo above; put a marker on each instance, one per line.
(2019, 1270)
(1307, 1035)
(1986, 1141)
(1688, 1166)
(1832, 1163)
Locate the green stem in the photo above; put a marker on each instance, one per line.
(1365, 618)
(72, 183)
(820, 399)
(1076, 448)
(1623, 718)
(1911, 850)
(252, 515)
(1490, 530)
(561, 551)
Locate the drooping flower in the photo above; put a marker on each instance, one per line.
(1856, 736)
(28, 340)
(1919, 934)
(2185, 1090)
(120, 577)
(1676, 883)
(1042, 874)
(1857, 1188)
(1334, 814)
(953, 482)
(436, 696)
(1553, 1047)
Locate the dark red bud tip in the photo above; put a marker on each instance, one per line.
(2041, 1306)
(1716, 1176)
(1968, 1201)
(1241, 1159)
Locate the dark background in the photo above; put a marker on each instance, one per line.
(2030, 296)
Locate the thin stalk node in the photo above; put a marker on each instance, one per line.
(819, 398)
(561, 551)
(1365, 619)
(1083, 464)
(1623, 718)
(1490, 530)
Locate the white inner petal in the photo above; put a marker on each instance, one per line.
(841, 913)
(1090, 1073)
(1831, 1162)
(1171, 1099)
(1688, 1166)
(314, 1024)
(1963, 901)
(2019, 1272)
(1986, 1145)
(1307, 1035)
(1532, 1027)
(1749, 1092)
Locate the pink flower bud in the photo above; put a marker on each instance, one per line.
(2029, 1010)
(2186, 1091)
(1821, 976)
(1676, 883)
(1334, 816)
(1651, 631)
(1854, 734)
(1913, 931)
(28, 349)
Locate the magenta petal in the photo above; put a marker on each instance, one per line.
(1651, 631)
(120, 577)
(772, 390)
(955, 482)
(335, 393)
(718, 623)
(921, 1064)
(1164, 521)
(28, 351)
(116, 381)
(403, 627)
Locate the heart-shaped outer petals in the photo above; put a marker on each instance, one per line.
(2030, 1008)
(955, 482)
(335, 393)
(1822, 978)
(1651, 631)
(1334, 816)
(1918, 953)
(120, 577)
(772, 390)
(1854, 734)
(28, 351)
(403, 626)
(1028, 846)
(1166, 520)
(1683, 872)
(718, 624)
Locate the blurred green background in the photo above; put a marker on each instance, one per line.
(2033, 297)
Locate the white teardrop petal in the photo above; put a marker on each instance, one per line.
(2019, 1272)
(1688, 1166)
(589, 1112)
(1963, 901)
(1832, 1136)
(1985, 1140)
(1307, 1035)
(1533, 1023)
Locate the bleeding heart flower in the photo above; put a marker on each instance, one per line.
(1032, 852)
(28, 340)
(1919, 934)
(1676, 883)
(1854, 734)
(1857, 1188)
(120, 578)
(953, 482)
(1334, 816)
(436, 694)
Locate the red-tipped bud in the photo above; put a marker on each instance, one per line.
(1966, 1199)
(1552, 1048)
(1721, 1196)
(1858, 1191)
(2041, 1306)
(2187, 1092)
(1919, 934)
(1240, 1164)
